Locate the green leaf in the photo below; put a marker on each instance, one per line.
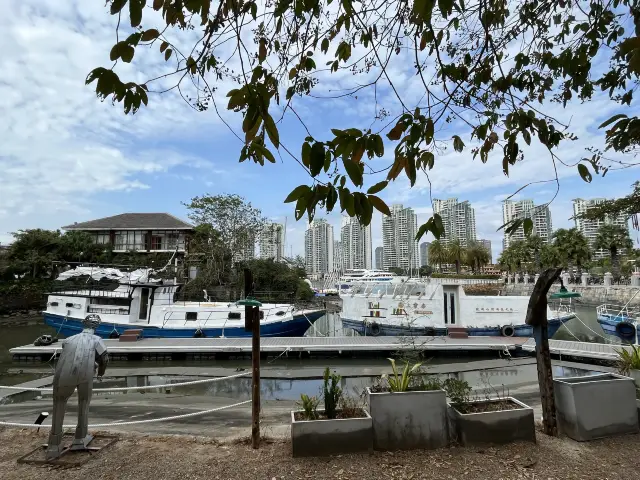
(127, 54)
(306, 154)
(163, 46)
(438, 226)
(116, 50)
(317, 159)
(354, 171)
(584, 173)
(378, 145)
(262, 50)
(301, 207)
(135, 12)
(324, 46)
(458, 144)
(293, 73)
(378, 187)
(527, 226)
(167, 54)
(117, 5)
(611, 120)
(150, 34)
(157, 4)
(396, 132)
(332, 197)
(298, 192)
(272, 130)
(379, 205)
(327, 161)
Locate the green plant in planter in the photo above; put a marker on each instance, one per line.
(627, 360)
(457, 390)
(332, 393)
(309, 406)
(400, 382)
(428, 383)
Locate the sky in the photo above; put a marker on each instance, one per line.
(67, 157)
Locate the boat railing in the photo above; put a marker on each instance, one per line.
(89, 291)
(618, 311)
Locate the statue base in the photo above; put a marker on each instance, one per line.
(73, 453)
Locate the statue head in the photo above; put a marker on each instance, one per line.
(91, 321)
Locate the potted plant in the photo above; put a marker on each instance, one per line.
(489, 420)
(629, 363)
(596, 406)
(341, 427)
(406, 413)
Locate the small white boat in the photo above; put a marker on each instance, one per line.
(140, 302)
(426, 307)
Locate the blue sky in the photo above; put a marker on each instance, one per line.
(65, 156)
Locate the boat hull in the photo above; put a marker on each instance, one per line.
(620, 326)
(494, 331)
(295, 327)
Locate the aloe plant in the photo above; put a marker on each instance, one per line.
(400, 382)
(331, 392)
(309, 406)
(627, 360)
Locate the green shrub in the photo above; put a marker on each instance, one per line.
(332, 393)
(627, 360)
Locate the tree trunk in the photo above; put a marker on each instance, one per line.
(537, 317)
(457, 267)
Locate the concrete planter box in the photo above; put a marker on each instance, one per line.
(409, 420)
(315, 438)
(596, 406)
(635, 374)
(499, 427)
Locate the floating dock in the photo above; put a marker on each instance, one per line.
(579, 350)
(181, 348)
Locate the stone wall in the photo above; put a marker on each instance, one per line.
(596, 295)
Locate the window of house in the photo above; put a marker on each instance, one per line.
(191, 316)
(156, 242)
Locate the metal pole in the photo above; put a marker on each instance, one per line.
(252, 319)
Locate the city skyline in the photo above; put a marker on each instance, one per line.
(458, 219)
(540, 215)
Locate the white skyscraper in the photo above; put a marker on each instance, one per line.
(379, 258)
(458, 219)
(589, 228)
(355, 240)
(271, 241)
(400, 248)
(337, 256)
(540, 215)
(318, 247)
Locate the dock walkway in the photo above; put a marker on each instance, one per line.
(594, 351)
(280, 345)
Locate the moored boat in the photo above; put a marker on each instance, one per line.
(619, 321)
(423, 307)
(139, 302)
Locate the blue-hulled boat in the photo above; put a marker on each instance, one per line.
(141, 303)
(618, 321)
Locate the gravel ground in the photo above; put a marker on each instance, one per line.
(185, 458)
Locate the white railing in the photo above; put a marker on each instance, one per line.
(618, 311)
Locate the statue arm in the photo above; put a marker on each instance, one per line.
(102, 357)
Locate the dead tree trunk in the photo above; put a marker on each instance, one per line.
(537, 317)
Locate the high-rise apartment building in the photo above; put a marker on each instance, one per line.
(337, 256)
(398, 239)
(487, 245)
(540, 215)
(589, 228)
(271, 241)
(379, 258)
(318, 247)
(458, 219)
(356, 244)
(424, 253)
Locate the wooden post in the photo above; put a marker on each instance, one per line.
(537, 317)
(252, 320)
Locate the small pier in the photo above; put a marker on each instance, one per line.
(222, 348)
(579, 350)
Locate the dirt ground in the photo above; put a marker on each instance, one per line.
(185, 458)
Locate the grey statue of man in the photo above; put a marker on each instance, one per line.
(81, 355)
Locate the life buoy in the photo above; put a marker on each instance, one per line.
(43, 341)
(374, 329)
(507, 331)
(199, 334)
(625, 329)
(114, 334)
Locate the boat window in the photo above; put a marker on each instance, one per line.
(69, 305)
(53, 304)
(191, 316)
(234, 316)
(261, 314)
(280, 313)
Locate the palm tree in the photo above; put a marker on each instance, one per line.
(437, 254)
(477, 256)
(550, 256)
(456, 252)
(534, 244)
(613, 238)
(514, 256)
(572, 247)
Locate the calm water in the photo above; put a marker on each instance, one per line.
(584, 328)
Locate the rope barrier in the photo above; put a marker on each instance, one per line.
(126, 389)
(133, 422)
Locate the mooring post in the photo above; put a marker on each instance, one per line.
(252, 322)
(537, 317)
